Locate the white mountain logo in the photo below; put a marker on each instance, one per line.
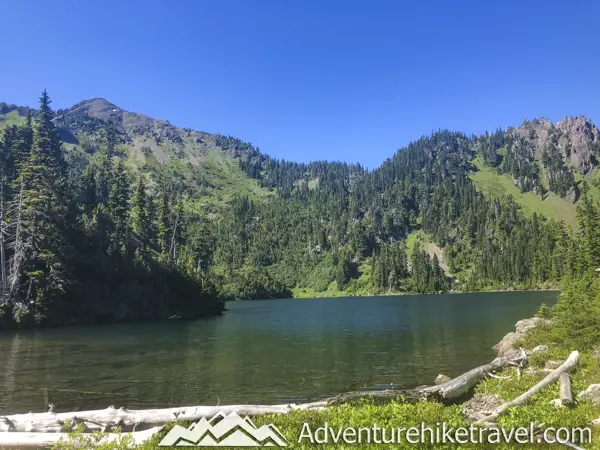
(224, 431)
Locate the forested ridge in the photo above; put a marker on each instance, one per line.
(131, 217)
(316, 236)
(87, 245)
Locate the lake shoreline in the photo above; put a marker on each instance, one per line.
(402, 294)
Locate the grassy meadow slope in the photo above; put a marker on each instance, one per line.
(493, 185)
(11, 118)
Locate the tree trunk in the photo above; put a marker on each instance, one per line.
(18, 248)
(566, 395)
(551, 378)
(461, 385)
(3, 231)
(110, 418)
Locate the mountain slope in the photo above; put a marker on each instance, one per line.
(207, 163)
(277, 226)
(495, 185)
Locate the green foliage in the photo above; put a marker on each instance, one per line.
(390, 268)
(544, 312)
(77, 247)
(560, 178)
(576, 315)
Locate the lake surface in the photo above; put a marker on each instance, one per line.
(265, 351)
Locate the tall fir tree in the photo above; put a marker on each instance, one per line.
(140, 220)
(118, 205)
(163, 225)
(44, 217)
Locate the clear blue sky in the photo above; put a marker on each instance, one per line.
(311, 79)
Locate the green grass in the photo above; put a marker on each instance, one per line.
(493, 185)
(418, 236)
(224, 173)
(362, 286)
(11, 118)
(593, 180)
(216, 180)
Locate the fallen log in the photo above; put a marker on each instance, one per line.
(37, 440)
(459, 386)
(566, 395)
(551, 378)
(110, 418)
(445, 392)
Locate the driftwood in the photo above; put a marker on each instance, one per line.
(459, 386)
(111, 418)
(566, 395)
(36, 440)
(551, 378)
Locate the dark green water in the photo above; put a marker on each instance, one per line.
(267, 351)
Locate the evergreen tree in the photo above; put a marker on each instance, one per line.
(118, 203)
(140, 221)
(163, 225)
(44, 216)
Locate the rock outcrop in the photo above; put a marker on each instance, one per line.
(577, 138)
(506, 346)
(579, 142)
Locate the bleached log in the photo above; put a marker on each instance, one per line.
(551, 378)
(36, 440)
(459, 386)
(110, 418)
(566, 395)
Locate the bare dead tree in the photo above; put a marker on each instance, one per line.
(173, 249)
(18, 246)
(3, 235)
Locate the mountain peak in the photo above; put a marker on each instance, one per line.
(98, 108)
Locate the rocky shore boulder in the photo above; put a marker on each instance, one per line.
(592, 393)
(506, 346)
